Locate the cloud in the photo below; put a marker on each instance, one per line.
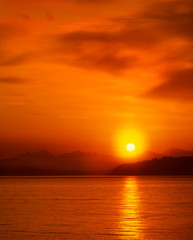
(120, 43)
(124, 36)
(60, 2)
(112, 51)
(90, 2)
(12, 80)
(172, 17)
(106, 62)
(9, 32)
(117, 44)
(178, 86)
(16, 60)
(94, 50)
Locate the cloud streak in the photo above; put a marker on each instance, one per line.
(14, 61)
(116, 44)
(120, 43)
(12, 80)
(172, 17)
(179, 85)
(110, 51)
(61, 2)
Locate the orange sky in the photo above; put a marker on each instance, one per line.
(77, 74)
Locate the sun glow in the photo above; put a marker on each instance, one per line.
(129, 143)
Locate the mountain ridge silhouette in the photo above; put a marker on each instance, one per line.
(45, 163)
(161, 166)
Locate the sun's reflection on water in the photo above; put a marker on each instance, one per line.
(130, 222)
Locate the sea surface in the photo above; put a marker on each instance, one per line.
(84, 208)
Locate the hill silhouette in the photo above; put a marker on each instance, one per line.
(161, 166)
(45, 163)
(81, 163)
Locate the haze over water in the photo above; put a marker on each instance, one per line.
(96, 208)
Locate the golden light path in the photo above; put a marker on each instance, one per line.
(130, 222)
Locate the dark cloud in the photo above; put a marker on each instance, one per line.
(8, 33)
(56, 2)
(16, 60)
(12, 80)
(91, 2)
(172, 17)
(127, 36)
(106, 62)
(178, 86)
(108, 51)
(121, 45)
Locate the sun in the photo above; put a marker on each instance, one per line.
(130, 142)
(130, 147)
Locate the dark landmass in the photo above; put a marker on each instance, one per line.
(29, 171)
(43, 163)
(162, 166)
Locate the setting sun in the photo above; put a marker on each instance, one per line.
(130, 142)
(130, 147)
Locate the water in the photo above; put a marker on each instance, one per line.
(84, 208)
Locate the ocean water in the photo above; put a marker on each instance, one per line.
(84, 208)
